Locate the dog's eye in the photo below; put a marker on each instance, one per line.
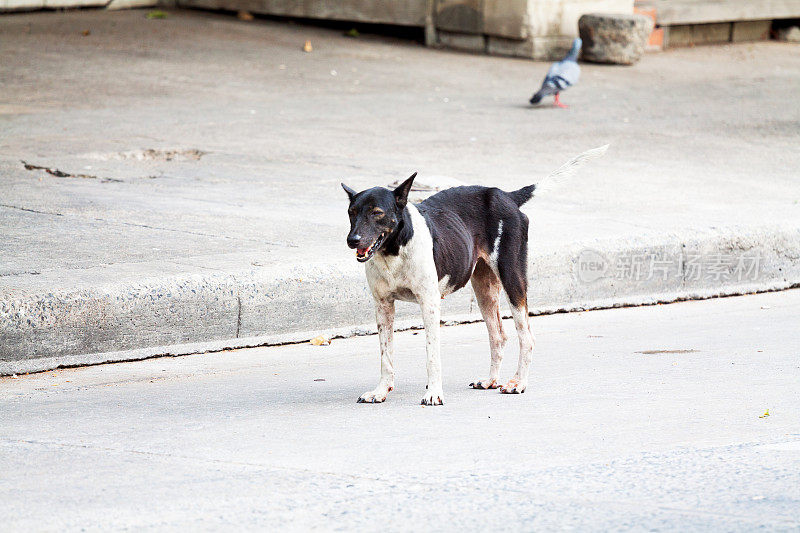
(377, 213)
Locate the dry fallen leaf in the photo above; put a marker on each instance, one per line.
(307, 47)
(320, 340)
(245, 15)
(86, 33)
(765, 415)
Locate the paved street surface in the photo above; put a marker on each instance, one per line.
(646, 418)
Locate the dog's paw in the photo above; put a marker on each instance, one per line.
(513, 386)
(433, 396)
(375, 396)
(485, 384)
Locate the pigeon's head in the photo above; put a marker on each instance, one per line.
(375, 214)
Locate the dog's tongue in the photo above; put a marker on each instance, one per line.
(362, 251)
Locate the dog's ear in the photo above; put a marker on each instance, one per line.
(350, 192)
(402, 190)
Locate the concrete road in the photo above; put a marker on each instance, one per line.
(646, 418)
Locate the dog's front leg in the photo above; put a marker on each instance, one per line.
(430, 305)
(384, 316)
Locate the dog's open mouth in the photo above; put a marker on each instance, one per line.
(364, 254)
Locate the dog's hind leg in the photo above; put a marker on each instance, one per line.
(487, 286)
(384, 315)
(511, 265)
(519, 382)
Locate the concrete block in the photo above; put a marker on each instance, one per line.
(619, 39)
(677, 36)
(506, 18)
(501, 46)
(692, 34)
(711, 33)
(751, 30)
(461, 16)
(462, 41)
(684, 12)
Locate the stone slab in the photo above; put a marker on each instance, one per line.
(510, 47)
(694, 34)
(462, 41)
(681, 12)
(751, 30)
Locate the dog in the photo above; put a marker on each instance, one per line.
(421, 253)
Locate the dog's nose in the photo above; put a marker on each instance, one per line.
(353, 240)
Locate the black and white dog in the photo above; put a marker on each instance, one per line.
(421, 253)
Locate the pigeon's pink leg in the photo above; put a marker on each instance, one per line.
(559, 104)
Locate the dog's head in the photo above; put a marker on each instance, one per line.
(374, 215)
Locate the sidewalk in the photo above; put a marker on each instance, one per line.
(238, 239)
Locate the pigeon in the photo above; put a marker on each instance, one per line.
(561, 75)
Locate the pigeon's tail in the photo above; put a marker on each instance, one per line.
(546, 90)
(558, 176)
(536, 98)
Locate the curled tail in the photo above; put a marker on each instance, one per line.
(520, 196)
(558, 176)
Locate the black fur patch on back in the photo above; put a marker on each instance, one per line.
(464, 223)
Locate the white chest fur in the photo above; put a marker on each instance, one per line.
(411, 274)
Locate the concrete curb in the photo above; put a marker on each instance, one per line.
(211, 312)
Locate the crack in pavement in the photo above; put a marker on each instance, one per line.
(31, 210)
(20, 273)
(61, 174)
